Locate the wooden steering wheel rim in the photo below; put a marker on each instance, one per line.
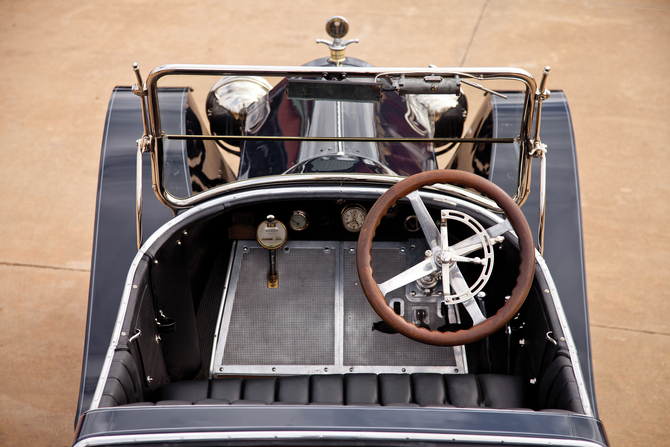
(492, 323)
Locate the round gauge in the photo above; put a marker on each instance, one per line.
(337, 27)
(299, 220)
(392, 211)
(353, 217)
(412, 224)
(271, 233)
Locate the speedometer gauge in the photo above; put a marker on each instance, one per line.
(353, 217)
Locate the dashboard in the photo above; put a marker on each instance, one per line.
(323, 220)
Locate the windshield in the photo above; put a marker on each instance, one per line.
(214, 127)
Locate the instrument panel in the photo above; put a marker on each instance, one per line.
(322, 219)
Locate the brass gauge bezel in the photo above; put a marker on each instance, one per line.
(349, 208)
(271, 223)
(295, 227)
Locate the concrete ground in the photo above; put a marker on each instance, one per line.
(60, 60)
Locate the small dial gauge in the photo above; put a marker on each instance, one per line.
(412, 224)
(299, 220)
(392, 211)
(271, 233)
(353, 217)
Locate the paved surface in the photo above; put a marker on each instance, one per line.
(60, 60)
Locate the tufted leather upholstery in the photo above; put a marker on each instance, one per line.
(468, 390)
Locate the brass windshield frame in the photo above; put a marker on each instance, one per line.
(156, 137)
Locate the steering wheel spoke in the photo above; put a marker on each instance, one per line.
(471, 244)
(465, 296)
(444, 233)
(427, 225)
(412, 274)
(475, 312)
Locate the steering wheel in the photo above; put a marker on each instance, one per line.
(444, 257)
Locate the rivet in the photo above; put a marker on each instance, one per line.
(123, 334)
(351, 369)
(403, 370)
(274, 369)
(178, 242)
(546, 290)
(522, 342)
(134, 286)
(185, 233)
(221, 369)
(325, 369)
(533, 380)
(155, 261)
(455, 370)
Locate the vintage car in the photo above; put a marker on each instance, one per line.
(296, 269)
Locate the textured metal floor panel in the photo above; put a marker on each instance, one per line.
(290, 325)
(311, 325)
(362, 346)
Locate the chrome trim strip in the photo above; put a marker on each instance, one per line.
(311, 179)
(290, 370)
(227, 304)
(316, 435)
(339, 304)
(461, 360)
(338, 127)
(226, 286)
(563, 320)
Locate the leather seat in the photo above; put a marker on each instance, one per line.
(421, 389)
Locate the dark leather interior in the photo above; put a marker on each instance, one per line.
(557, 390)
(139, 375)
(425, 389)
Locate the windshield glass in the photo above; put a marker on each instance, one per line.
(214, 126)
